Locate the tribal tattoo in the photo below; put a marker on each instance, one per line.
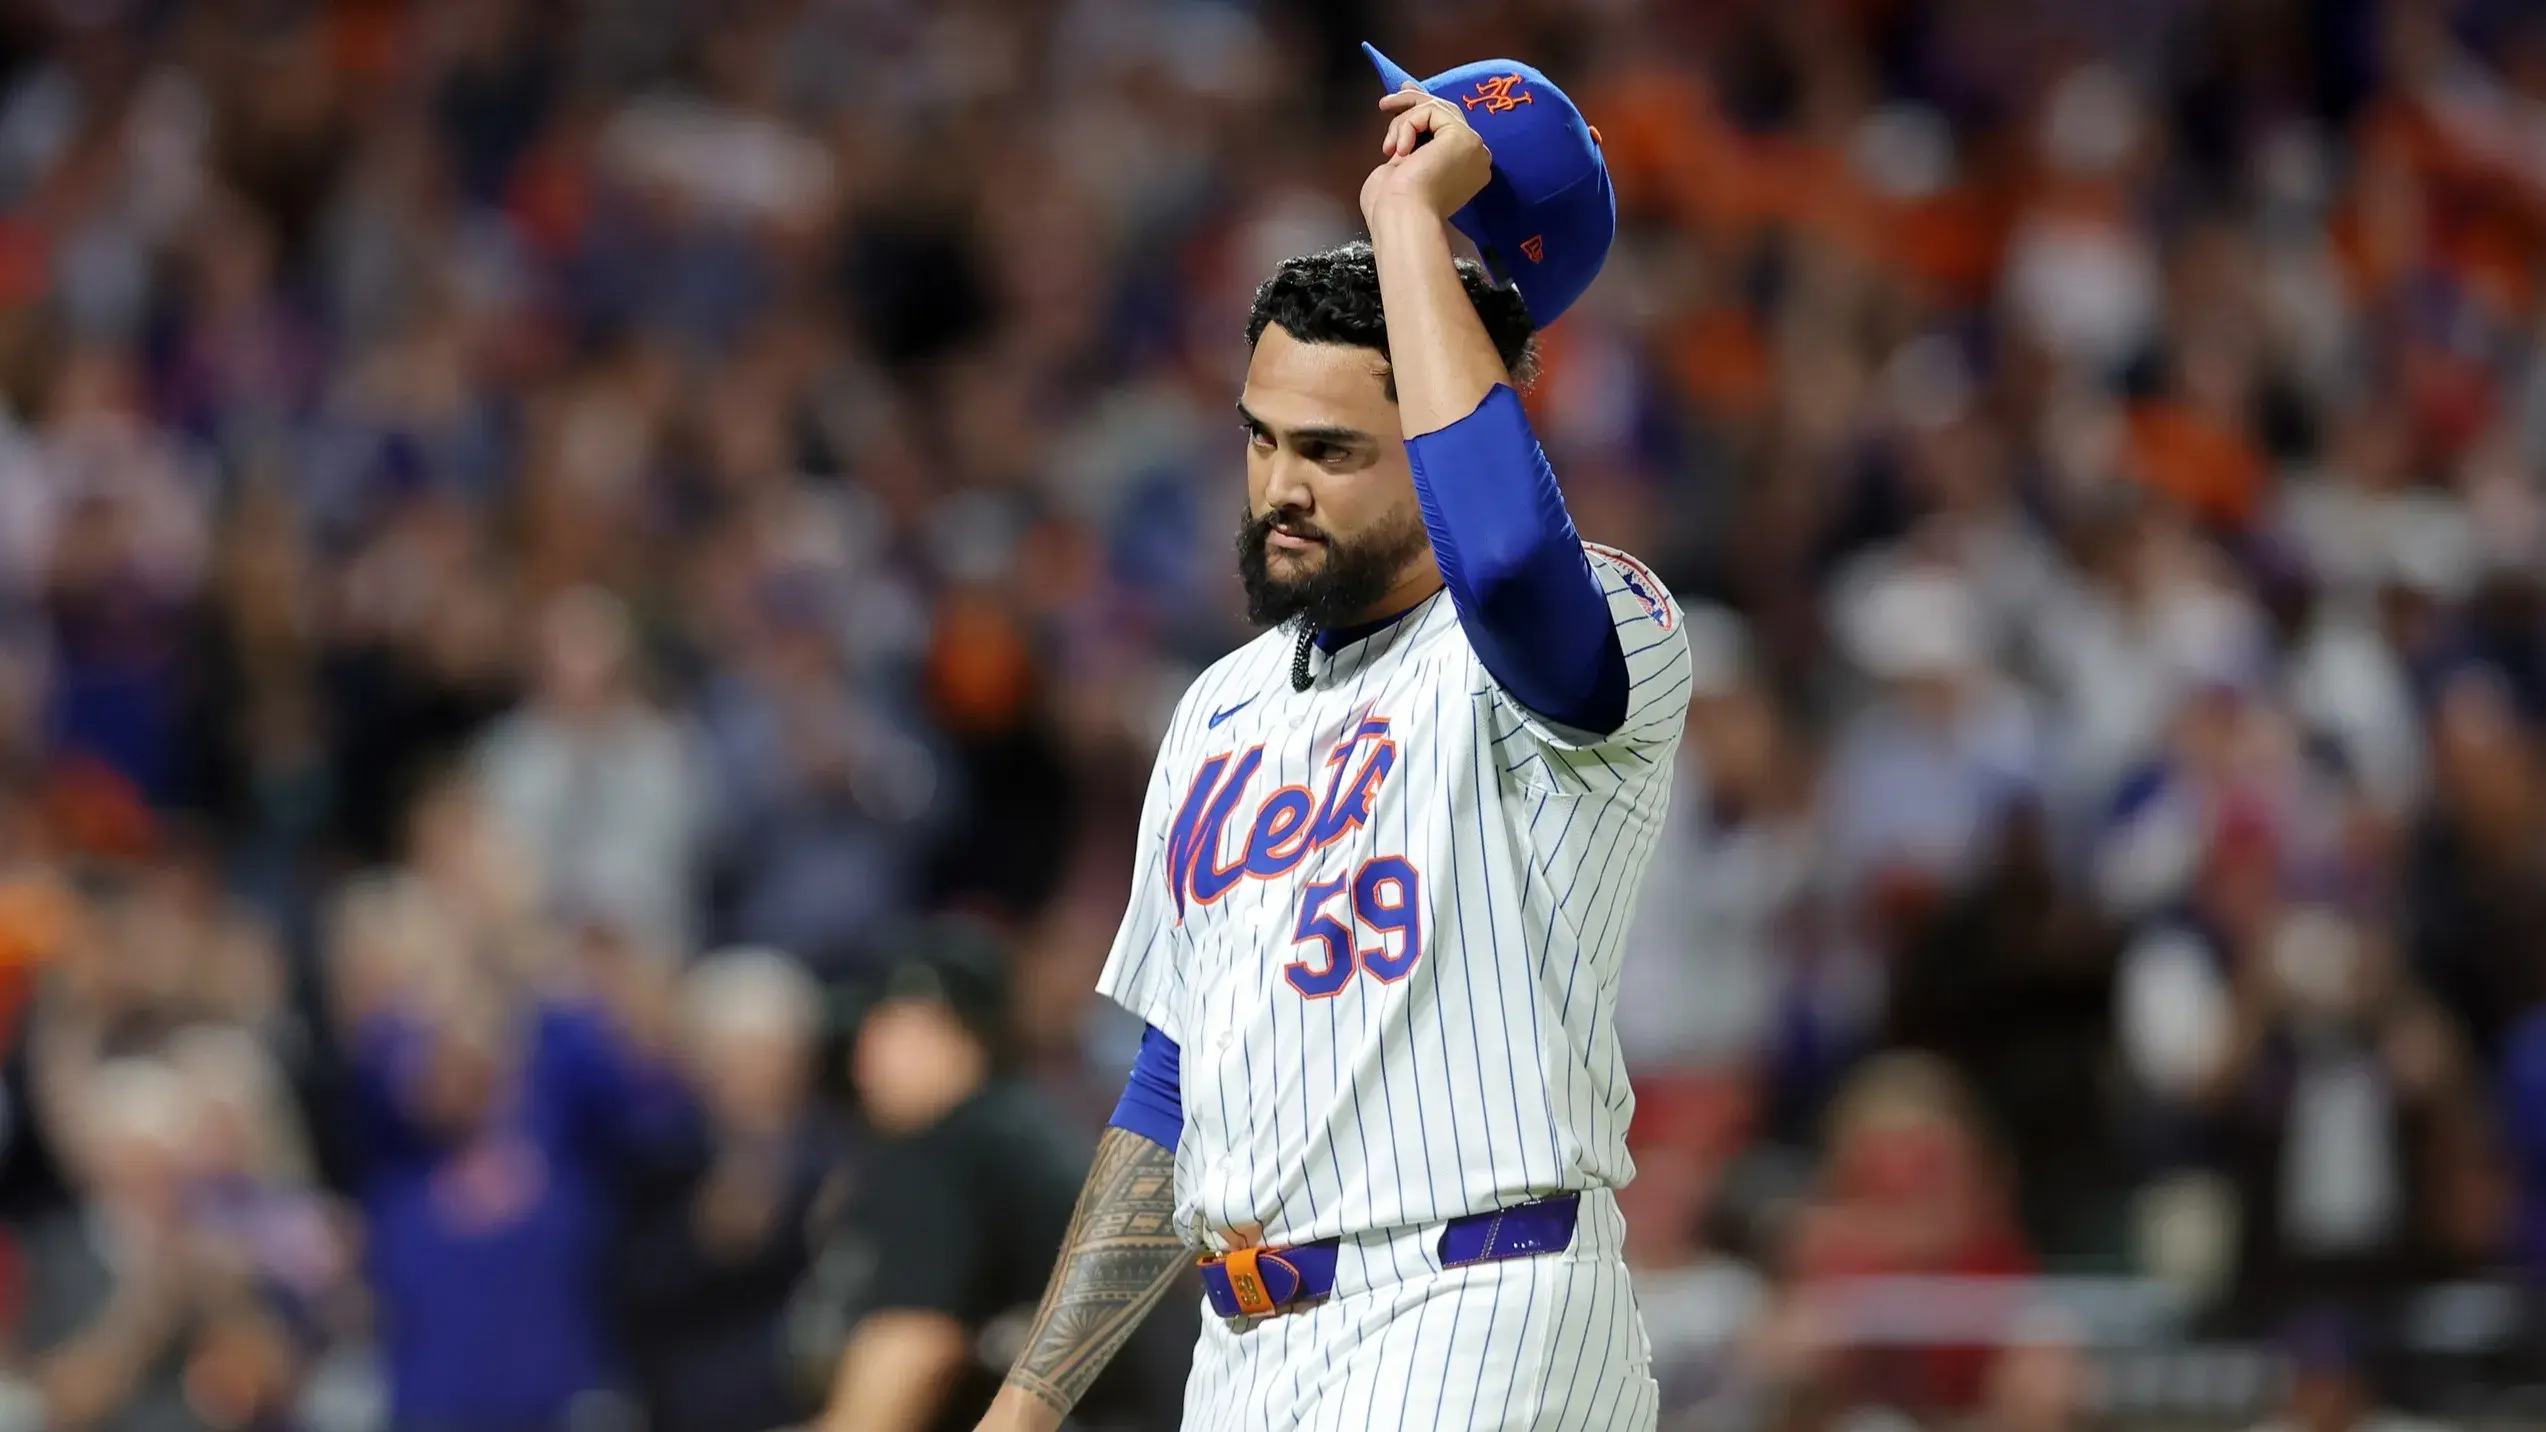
(1121, 1254)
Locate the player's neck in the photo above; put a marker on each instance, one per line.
(1411, 591)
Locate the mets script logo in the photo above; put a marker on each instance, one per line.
(1639, 582)
(1287, 824)
(1381, 898)
(1498, 94)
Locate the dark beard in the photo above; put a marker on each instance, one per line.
(1352, 579)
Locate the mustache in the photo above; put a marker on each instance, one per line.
(1285, 519)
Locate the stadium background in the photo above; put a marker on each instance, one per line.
(499, 500)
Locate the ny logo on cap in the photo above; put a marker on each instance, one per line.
(1535, 246)
(1497, 96)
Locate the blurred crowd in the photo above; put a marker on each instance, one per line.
(536, 539)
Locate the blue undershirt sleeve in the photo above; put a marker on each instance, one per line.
(1153, 1102)
(1516, 569)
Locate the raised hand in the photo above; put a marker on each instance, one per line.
(1435, 158)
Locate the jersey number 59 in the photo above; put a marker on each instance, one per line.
(1387, 900)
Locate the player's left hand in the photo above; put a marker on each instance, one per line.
(1435, 157)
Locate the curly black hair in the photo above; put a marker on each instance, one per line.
(1332, 296)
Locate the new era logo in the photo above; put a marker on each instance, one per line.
(1535, 246)
(1498, 94)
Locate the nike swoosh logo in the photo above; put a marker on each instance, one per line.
(1220, 716)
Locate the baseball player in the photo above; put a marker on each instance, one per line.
(1389, 852)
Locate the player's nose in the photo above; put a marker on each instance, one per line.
(1287, 487)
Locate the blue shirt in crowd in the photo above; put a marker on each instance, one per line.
(483, 1249)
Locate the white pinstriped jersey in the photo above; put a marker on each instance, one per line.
(1382, 918)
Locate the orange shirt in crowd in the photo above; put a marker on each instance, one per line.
(36, 912)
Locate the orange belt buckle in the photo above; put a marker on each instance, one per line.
(1247, 1281)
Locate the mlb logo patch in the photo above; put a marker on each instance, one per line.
(1640, 583)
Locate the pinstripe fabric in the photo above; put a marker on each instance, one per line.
(1487, 1072)
(1548, 1344)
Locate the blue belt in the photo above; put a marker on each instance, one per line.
(1259, 1282)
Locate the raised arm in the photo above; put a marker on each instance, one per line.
(1121, 1254)
(1507, 548)
(1440, 357)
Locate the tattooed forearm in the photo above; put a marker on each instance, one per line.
(1121, 1254)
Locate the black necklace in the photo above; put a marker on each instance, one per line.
(1299, 661)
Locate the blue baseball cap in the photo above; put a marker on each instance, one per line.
(1544, 222)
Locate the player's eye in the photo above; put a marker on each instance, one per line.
(1256, 436)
